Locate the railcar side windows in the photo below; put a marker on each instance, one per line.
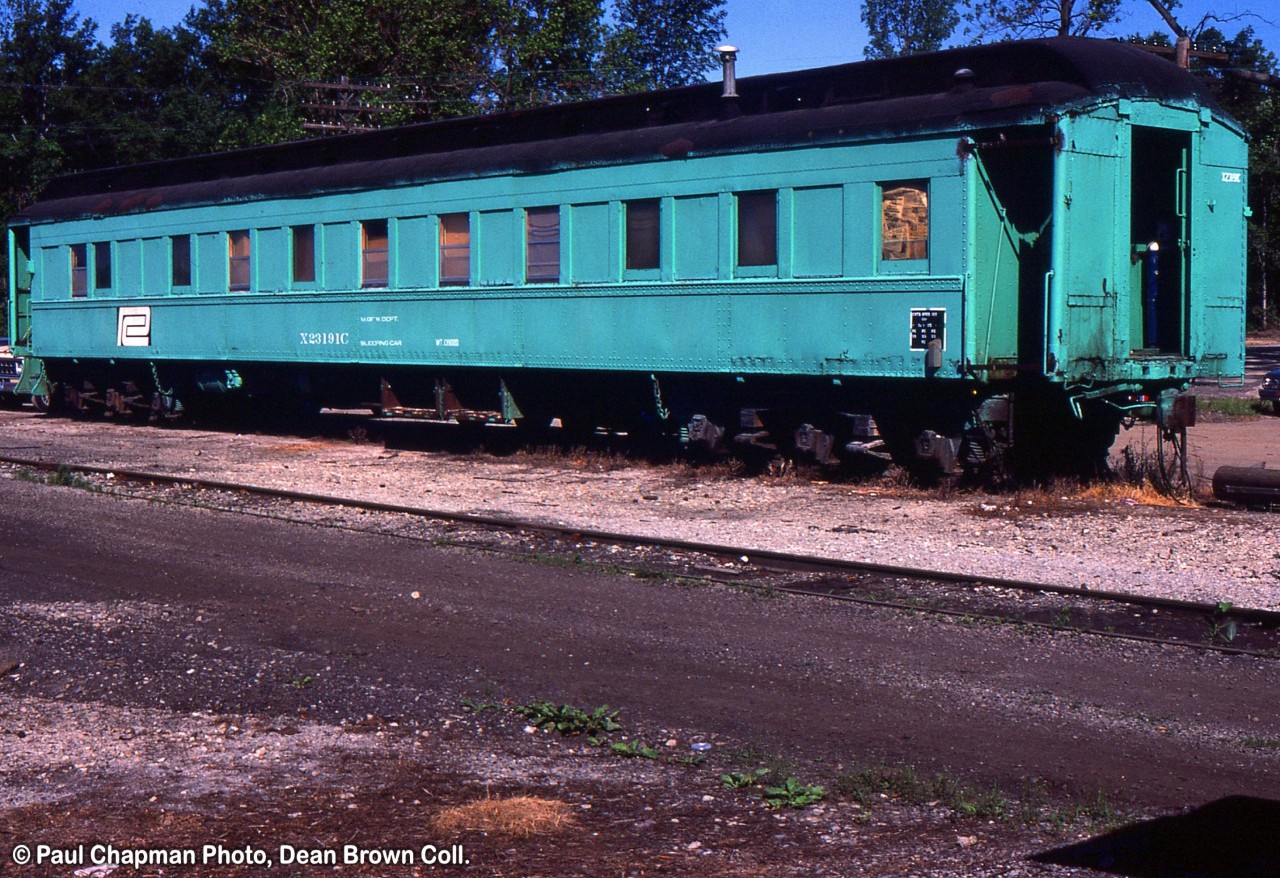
(374, 253)
(238, 259)
(542, 245)
(643, 238)
(304, 254)
(758, 228)
(180, 260)
(102, 265)
(904, 220)
(455, 249)
(79, 270)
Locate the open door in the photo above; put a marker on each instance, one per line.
(1160, 242)
(19, 305)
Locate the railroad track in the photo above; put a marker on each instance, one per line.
(1218, 627)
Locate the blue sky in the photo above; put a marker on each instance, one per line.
(778, 35)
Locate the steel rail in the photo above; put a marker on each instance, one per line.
(763, 558)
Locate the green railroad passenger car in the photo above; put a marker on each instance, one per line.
(998, 253)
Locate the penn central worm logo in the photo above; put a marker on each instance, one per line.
(133, 327)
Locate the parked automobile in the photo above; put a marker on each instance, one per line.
(1270, 389)
(10, 373)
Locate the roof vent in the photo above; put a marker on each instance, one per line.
(728, 55)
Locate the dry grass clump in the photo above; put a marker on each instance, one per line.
(520, 816)
(1144, 494)
(1065, 498)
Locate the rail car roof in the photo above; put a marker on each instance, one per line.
(900, 97)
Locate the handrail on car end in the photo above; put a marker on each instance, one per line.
(1048, 277)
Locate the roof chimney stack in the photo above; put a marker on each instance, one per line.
(728, 54)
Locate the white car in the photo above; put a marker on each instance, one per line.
(10, 373)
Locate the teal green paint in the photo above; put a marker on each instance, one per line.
(786, 327)
(340, 265)
(696, 232)
(587, 237)
(156, 268)
(705, 318)
(53, 277)
(861, 238)
(394, 247)
(947, 227)
(1086, 276)
(128, 268)
(210, 262)
(786, 233)
(818, 232)
(616, 237)
(417, 251)
(1219, 201)
(499, 246)
(995, 313)
(726, 243)
(270, 261)
(21, 267)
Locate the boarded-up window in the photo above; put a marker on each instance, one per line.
(79, 270)
(904, 220)
(238, 259)
(758, 228)
(180, 253)
(455, 249)
(642, 234)
(542, 256)
(375, 252)
(696, 223)
(817, 245)
(304, 254)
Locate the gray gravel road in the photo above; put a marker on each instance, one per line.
(1156, 726)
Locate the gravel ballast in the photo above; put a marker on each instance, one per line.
(1191, 553)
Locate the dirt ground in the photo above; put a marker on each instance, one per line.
(183, 683)
(185, 692)
(1250, 441)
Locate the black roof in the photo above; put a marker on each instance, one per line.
(1005, 83)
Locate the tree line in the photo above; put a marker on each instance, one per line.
(239, 72)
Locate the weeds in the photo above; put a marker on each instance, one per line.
(1262, 743)
(1221, 628)
(904, 784)
(470, 705)
(634, 749)
(1031, 808)
(1096, 811)
(774, 784)
(793, 794)
(1232, 407)
(63, 477)
(26, 475)
(785, 793)
(693, 760)
(569, 720)
(741, 780)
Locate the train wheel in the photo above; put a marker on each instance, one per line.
(40, 402)
(1171, 457)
